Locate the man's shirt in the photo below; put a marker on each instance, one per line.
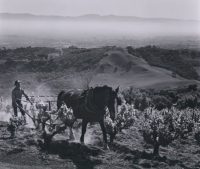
(17, 94)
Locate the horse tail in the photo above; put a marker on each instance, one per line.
(59, 99)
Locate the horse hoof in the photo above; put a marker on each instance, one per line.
(82, 143)
(72, 139)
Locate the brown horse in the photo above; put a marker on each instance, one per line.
(90, 106)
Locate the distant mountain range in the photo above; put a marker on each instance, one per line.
(89, 17)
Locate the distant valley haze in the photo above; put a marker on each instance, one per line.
(92, 30)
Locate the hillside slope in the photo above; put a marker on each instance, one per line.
(80, 68)
(181, 62)
(121, 68)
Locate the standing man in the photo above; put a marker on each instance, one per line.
(17, 93)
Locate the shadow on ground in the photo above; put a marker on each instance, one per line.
(135, 156)
(82, 156)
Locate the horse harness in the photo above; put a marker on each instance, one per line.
(89, 104)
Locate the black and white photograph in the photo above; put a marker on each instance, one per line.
(99, 84)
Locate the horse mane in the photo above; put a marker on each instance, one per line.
(59, 102)
(99, 93)
(101, 88)
(61, 93)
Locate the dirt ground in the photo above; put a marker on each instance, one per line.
(127, 151)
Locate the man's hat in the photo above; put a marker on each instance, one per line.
(17, 82)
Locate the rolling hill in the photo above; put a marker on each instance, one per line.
(124, 69)
(81, 67)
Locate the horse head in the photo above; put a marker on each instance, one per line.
(113, 103)
(106, 97)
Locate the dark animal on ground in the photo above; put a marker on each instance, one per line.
(90, 106)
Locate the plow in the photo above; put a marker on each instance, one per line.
(46, 120)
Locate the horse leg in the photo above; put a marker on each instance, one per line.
(104, 134)
(84, 125)
(71, 134)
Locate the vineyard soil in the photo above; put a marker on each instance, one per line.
(127, 151)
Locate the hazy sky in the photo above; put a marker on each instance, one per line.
(183, 9)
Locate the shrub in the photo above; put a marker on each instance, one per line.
(161, 102)
(124, 119)
(155, 130)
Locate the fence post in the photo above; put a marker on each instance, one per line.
(49, 105)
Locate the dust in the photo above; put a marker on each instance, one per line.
(5, 116)
(7, 113)
(89, 138)
(5, 109)
(43, 90)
